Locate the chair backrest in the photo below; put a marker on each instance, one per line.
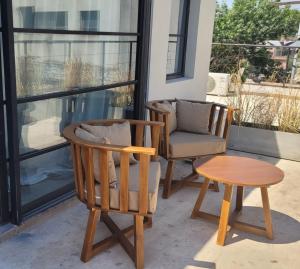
(219, 122)
(82, 153)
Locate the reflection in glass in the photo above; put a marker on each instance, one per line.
(45, 174)
(173, 62)
(52, 63)
(177, 16)
(42, 122)
(114, 15)
(177, 36)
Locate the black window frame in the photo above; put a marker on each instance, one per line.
(182, 45)
(17, 211)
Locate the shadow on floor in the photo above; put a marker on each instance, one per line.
(285, 228)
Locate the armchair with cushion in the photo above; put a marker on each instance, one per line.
(130, 188)
(192, 129)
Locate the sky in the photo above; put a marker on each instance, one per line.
(229, 2)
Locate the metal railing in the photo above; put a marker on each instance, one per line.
(105, 57)
(257, 63)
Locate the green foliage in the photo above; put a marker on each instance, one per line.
(251, 22)
(254, 21)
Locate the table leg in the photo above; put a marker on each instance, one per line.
(239, 198)
(224, 215)
(201, 196)
(267, 212)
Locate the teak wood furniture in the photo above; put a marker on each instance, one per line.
(241, 172)
(220, 120)
(87, 189)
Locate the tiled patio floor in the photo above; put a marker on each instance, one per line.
(175, 241)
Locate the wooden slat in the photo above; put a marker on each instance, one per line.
(124, 177)
(139, 138)
(220, 121)
(89, 177)
(155, 137)
(143, 184)
(103, 164)
(228, 123)
(211, 118)
(139, 135)
(152, 116)
(78, 171)
(166, 134)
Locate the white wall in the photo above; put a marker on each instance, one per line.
(201, 21)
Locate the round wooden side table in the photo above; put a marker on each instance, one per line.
(241, 172)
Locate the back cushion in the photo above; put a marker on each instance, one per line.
(193, 117)
(84, 135)
(118, 134)
(166, 106)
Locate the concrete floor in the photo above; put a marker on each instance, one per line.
(176, 241)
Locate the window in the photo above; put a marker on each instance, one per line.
(68, 67)
(89, 20)
(177, 38)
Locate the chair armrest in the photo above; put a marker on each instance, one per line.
(157, 114)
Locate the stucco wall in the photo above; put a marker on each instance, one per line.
(201, 21)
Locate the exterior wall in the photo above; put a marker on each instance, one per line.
(194, 84)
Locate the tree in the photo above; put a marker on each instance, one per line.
(251, 22)
(254, 21)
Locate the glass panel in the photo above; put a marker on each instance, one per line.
(176, 49)
(53, 63)
(177, 14)
(173, 63)
(46, 174)
(41, 123)
(116, 15)
(89, 20)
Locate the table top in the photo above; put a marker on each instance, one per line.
(239, 171)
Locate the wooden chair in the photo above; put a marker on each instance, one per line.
(99, 199)
(219, 124)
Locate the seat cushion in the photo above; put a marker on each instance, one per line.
(133, 186)
(184, 144)
(193, 117)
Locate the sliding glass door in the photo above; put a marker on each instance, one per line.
(73, 61)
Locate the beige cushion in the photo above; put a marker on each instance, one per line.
(101, 140)
(166, 106)
(133, 186)
(189, 145)
(118, 134)
(193, 117)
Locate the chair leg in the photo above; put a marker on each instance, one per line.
(139, 241)
(216, 186)
(239, 198)
(168, 180)
(267, 212)
(224, 217)
(87, 248)
(200, 198)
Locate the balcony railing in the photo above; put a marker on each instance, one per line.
(257, 63)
